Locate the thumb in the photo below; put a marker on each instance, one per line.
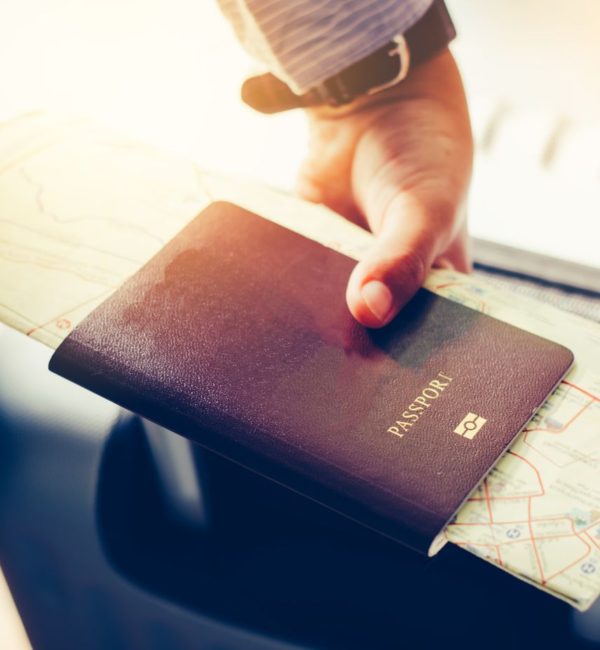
(408, 241)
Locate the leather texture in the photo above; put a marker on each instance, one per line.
(237, 335)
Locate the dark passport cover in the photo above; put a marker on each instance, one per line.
(237, 335)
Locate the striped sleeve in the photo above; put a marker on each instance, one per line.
(305, 42)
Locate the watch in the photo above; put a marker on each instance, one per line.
(381, 69)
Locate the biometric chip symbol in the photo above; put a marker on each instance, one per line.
(470, 425)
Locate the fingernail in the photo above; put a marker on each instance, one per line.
(378, 299)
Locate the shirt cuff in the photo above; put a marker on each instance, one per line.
(304, 42)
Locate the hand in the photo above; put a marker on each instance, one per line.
(398, 162)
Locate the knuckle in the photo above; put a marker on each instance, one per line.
(410, 268)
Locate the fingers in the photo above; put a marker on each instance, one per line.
(410, 183)
(458, 255)
(400, 165)
(394, 269)
(325, 175)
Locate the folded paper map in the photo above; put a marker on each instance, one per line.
(81, 209)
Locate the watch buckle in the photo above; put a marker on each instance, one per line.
(402, 50)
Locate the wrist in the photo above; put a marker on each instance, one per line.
(386, 67)
(420, 81)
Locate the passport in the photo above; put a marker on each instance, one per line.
(236, 335)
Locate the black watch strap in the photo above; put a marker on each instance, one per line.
(383, 68)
